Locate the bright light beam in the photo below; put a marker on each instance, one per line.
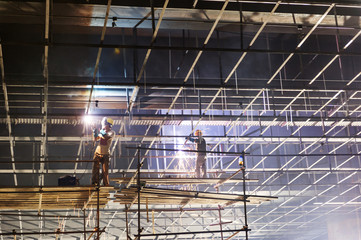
(88, 119)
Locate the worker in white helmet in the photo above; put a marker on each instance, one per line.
(101, 155)
(201, 154)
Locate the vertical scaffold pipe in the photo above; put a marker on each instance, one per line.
(98, 208)
(126, 222)
(84, 223)
(244, 197)
(138, 183)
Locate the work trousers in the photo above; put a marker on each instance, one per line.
(102, 159)
(201, 164)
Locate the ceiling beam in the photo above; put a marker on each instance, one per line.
(149, 50)
(312, 7)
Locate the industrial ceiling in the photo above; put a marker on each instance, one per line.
(278, 80)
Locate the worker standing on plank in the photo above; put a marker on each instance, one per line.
(101, 155)
(201, 154)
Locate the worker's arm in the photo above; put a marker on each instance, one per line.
(191, 139)
(95, 134)
(106, 135)
(103, 134)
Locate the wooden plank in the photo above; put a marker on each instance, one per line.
(156, 196)
(35, 198)
(40, 201)
(180, 181)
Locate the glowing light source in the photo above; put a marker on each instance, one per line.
(117, 51)
(181, 154)
(184, 161)
(88, 119)
(241, 160)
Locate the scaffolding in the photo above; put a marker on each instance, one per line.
(137, 192)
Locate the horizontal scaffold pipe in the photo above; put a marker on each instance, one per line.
(175, 172)
(41, 215)
(211, 139)
(248, 154)
(46, 161)
(47, 233)
(186, 150)
(174, 210)
(170, 156)
(187, 233)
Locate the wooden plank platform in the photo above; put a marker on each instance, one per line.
(30, 198)
(155, 196)
(180, 181)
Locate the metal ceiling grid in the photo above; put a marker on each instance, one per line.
(302, 132)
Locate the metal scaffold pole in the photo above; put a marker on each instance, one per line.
(98, 203)
(84, 223)
(139, 188)
(126, 222)
(98, 214)
(243, 168)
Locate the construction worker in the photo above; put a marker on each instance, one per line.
(201, 154)
(101, 155)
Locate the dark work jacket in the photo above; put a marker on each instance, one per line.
(201, 144)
